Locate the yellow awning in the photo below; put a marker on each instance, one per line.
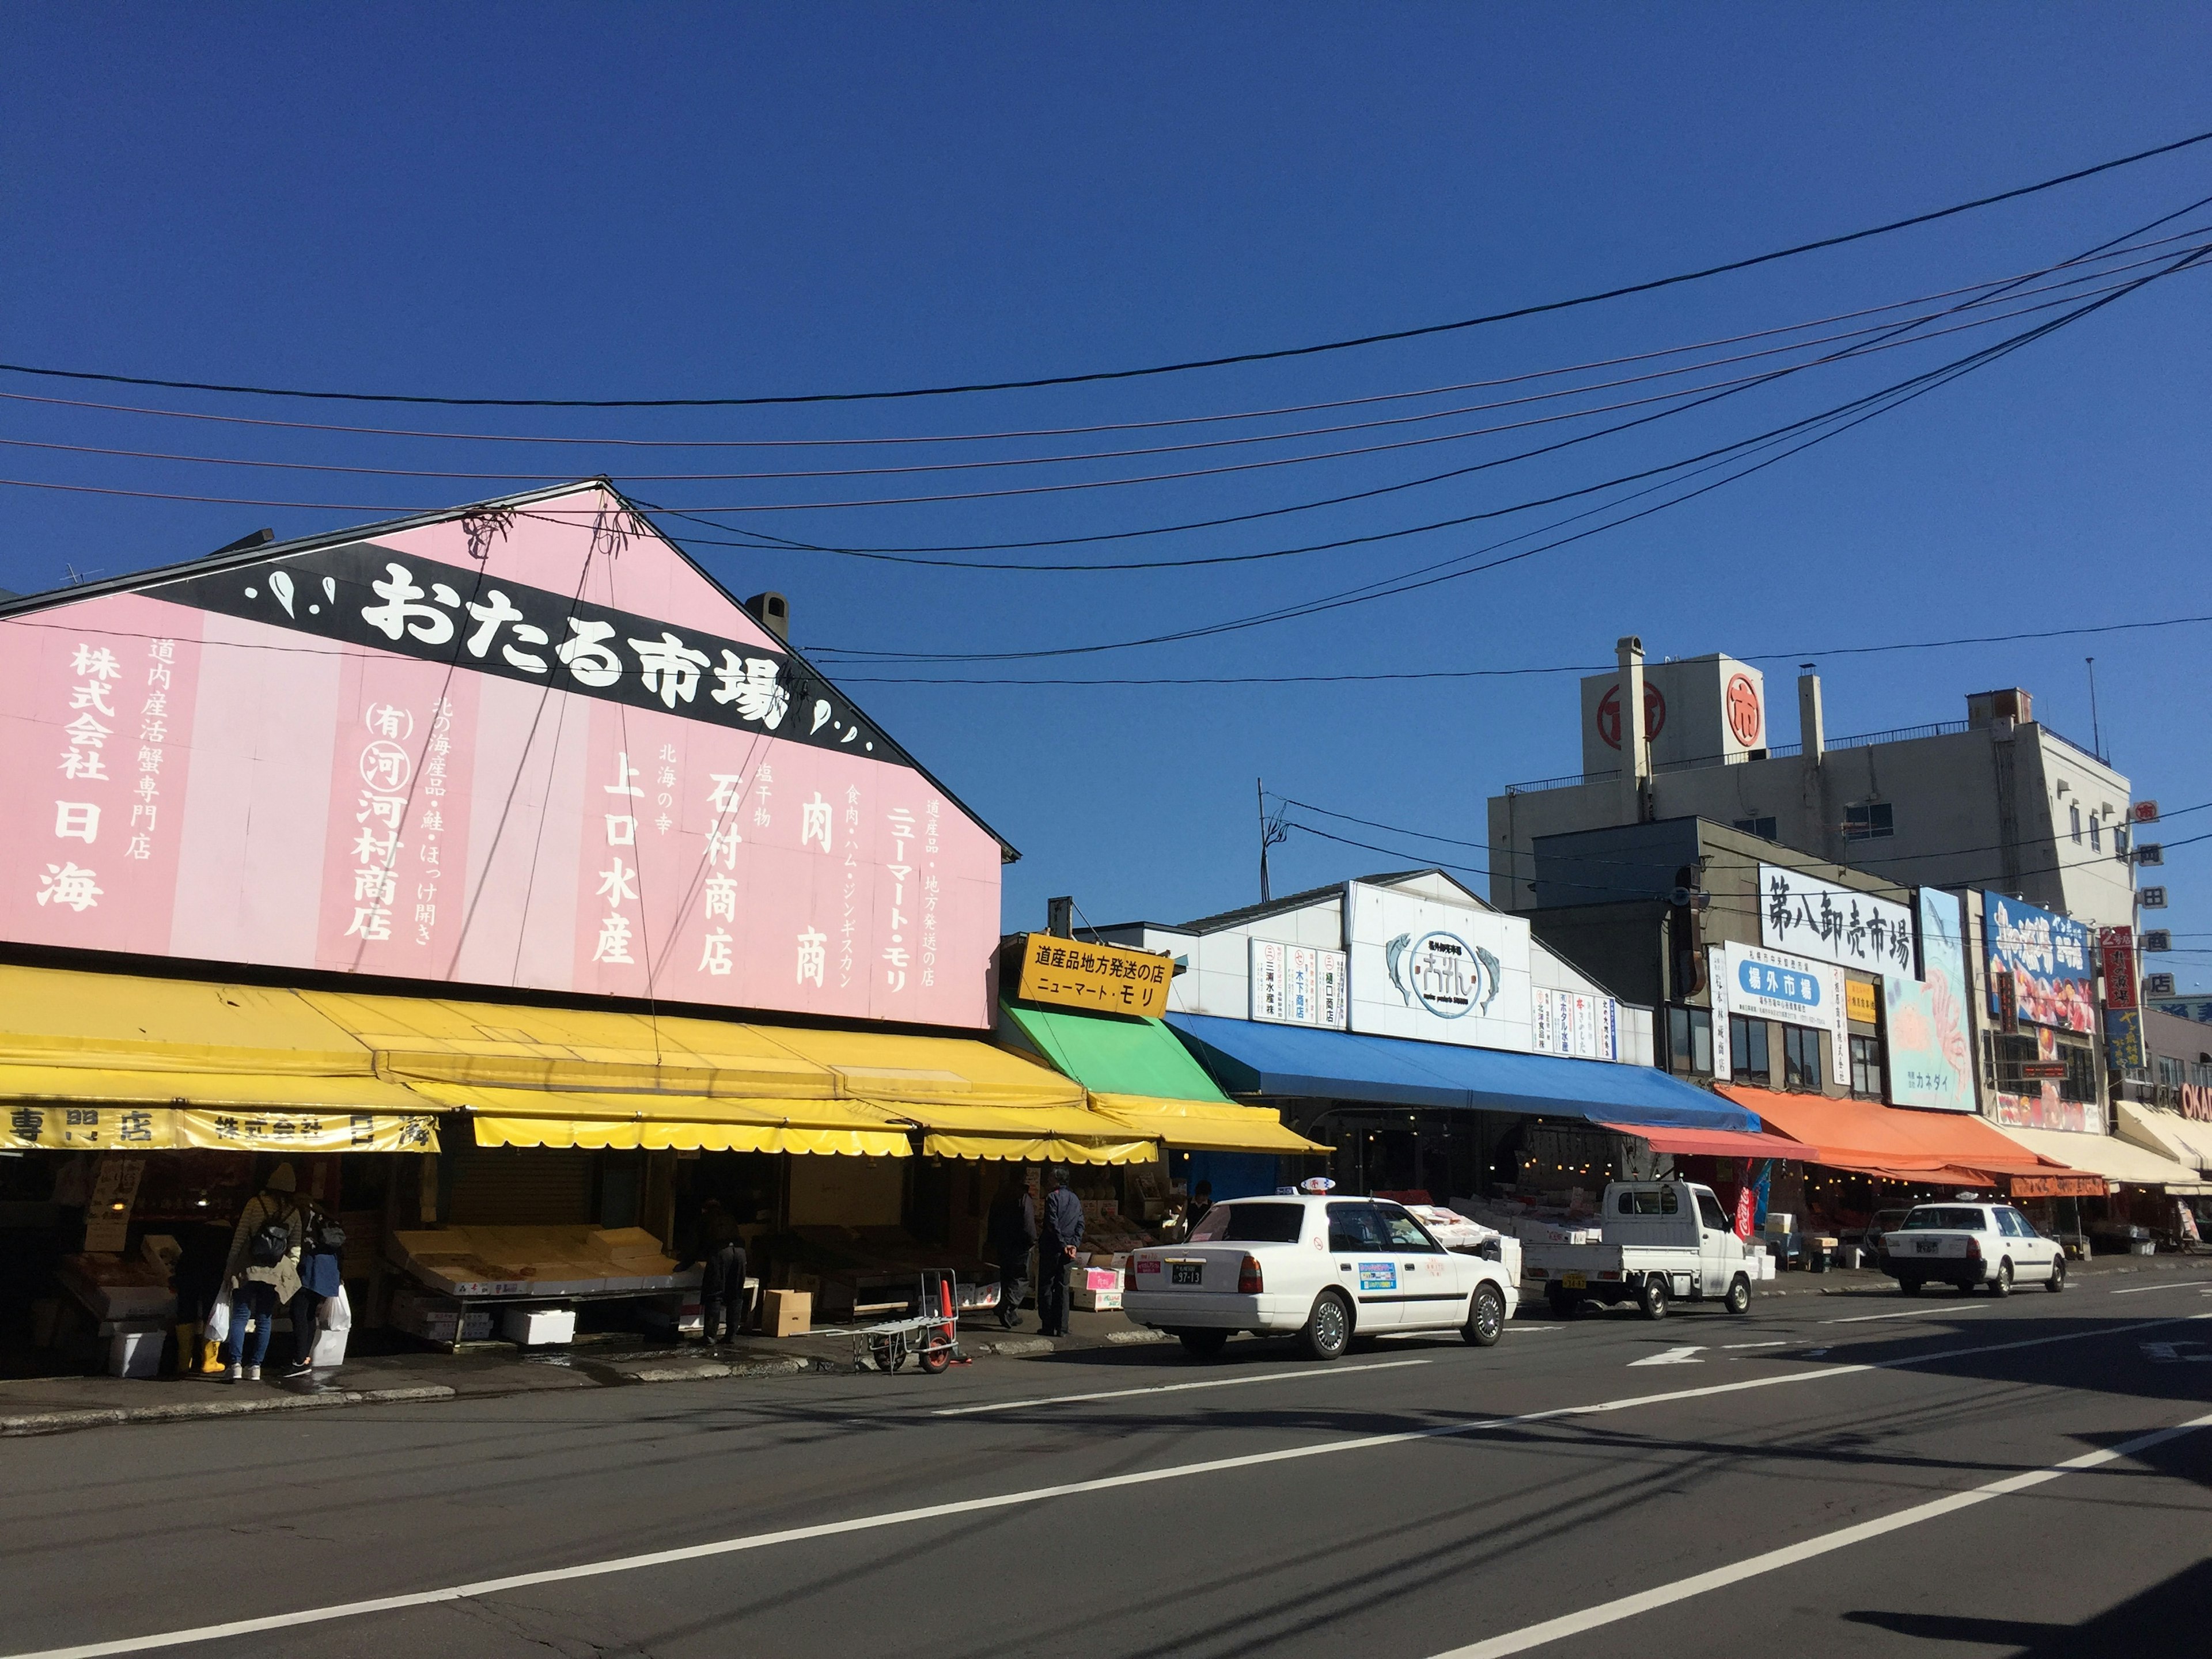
(600, 1120)
(1040, 1149)
(1204, 1126)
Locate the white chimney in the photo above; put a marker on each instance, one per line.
(1635, 741)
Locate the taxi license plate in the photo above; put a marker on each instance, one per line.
(1185, 1273)
(1926, 1246)
(1575, 1281)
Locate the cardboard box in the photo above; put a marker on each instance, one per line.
(536, 1327)
(786, 1313)
(1093, 1278)
(1097, 1301)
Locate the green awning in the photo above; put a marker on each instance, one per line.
(1138, 1073)
(1118, 1054)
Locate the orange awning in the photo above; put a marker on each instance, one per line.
(1936, 1149)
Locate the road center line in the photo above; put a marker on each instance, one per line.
(1630, 1606)
(1732, 1346)
(483, 1587)
(1307, 1372)
(1940, 1311)
(2178, 1284)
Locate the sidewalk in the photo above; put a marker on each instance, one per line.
(58, 1404)
(54, 1405)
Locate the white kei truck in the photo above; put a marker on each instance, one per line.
(1665, 1241)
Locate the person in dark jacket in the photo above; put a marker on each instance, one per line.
(321, 1278)
(1013, 1235)
(720, 1251)
(1058, 1235)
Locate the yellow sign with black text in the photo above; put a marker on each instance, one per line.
(1104, 979)
(1860, 1002)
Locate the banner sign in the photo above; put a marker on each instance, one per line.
(263, 1129)
(2038, 1100)
(2048, 957)
(1439, 972)
(1298, 985)
(481, 751)
(2116, 947)
(1099, 978)
(2124, 1039)
(1577, 1025)
(1828, 923)
(1930, 1057)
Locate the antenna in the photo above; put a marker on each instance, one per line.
(2096, 731)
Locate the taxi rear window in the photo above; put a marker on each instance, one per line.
(1945, 1220)
(1251, 1223)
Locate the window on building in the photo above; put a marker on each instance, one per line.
(2200, 1073)
(2079, 1082)
(1866, 1067)
(1801, 1058)
(1869, 821)
(1763, 828)
(2096, 832)
(2003, 1056)
(2170, 1071)
(2120, 841)
(1747, 1050)
(1690, 1041)
(2073, 813)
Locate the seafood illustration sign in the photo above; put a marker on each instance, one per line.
(1443, 973)
(1931, 1061)
(525, 746)
(2049, 958)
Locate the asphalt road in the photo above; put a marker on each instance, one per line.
(1827, 1476)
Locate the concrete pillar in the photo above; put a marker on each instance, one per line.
(1635, 742)
(1810, 728)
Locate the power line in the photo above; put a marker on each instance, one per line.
(1874, 404)
(1094, 376)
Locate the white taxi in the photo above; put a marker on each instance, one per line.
(1323, 1268)
(1971, 1244)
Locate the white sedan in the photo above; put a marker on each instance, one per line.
(1326, 1268)
(1970, 1244)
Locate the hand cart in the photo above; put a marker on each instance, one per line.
(931, 1335)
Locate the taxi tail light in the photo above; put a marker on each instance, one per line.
(1128, 1275)
(1248, 1282)
(1973, 1249)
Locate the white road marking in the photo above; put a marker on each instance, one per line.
(1936, 1311)
(1732, 1346)
(1631, 1606)
(1319, 1371)
(2167, 1354)
(482, 1587)
(2178, 1284)
(1671, 1357)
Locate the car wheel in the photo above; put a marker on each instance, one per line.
(2002, 1285)
(1328, 1326)
(1485, 1317)
(1908, 1286)
(1652, 1298)
(1203, 1345)
(1739, 1296)
(2058, 1279)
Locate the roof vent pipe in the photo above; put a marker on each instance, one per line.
(773, 612)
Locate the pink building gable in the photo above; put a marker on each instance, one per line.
(531, 746)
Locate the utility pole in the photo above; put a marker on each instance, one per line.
(2096, 731)
(1260, 789)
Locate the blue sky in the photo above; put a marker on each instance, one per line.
(540, 201)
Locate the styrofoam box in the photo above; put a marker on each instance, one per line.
(533, 1327)
(1097, 1301)
(136, 1354)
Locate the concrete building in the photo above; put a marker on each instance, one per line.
(1995, 800)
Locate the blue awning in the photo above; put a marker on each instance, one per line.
(1248, 1057)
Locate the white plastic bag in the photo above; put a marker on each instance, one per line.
(335, 1314)
(218, 1320)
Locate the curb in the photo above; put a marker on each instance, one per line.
(188, 1411)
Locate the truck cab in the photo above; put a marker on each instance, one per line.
(1664, 1241)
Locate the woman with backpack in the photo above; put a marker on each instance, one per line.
(263, 1272)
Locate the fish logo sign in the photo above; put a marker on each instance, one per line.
(1441, 972)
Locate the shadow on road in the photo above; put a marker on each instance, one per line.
(2169, 1617)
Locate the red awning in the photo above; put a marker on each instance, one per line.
(1935, 1149)
(1717, 1143)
